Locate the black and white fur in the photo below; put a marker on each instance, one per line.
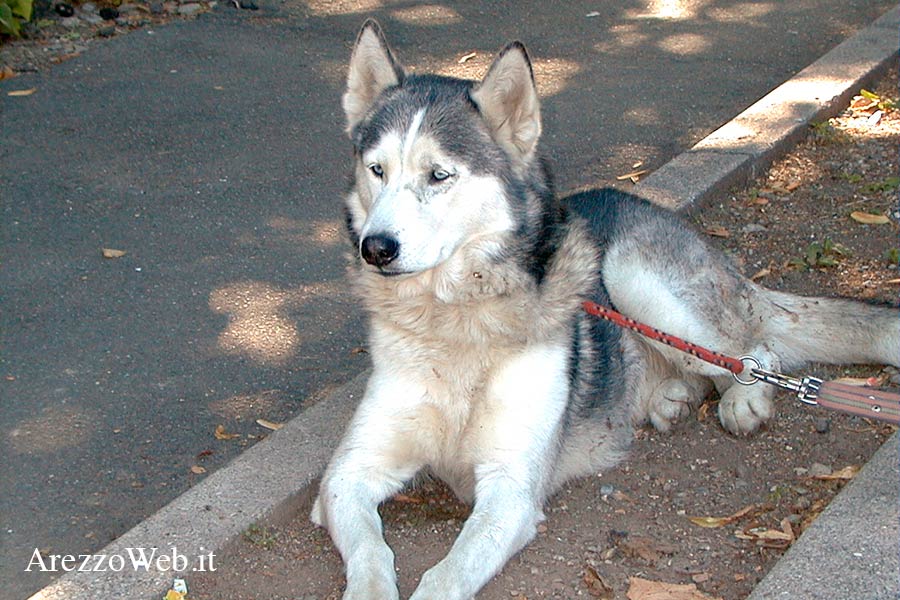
(486, 372)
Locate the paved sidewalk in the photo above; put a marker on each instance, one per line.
(216, 510)
(211, 151)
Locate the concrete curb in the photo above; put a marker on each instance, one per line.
(745, 146)
(273, 478)
(850, 551)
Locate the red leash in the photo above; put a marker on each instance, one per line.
(861, 401)
(734, 365)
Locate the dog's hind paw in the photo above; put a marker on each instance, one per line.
(670, 401)
(743, 409)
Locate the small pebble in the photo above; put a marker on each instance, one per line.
(64, 10)
(107, 31)
(249, 4)
(189, 9)
(607, 489)
(823, 425)
(794, 519)
(91, 18)
(70, 22)
(156, 7)
(88, 7)
(818, 470)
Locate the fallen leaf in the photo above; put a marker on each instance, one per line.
(467, 57)
(596, 586)
(173, 595)
(644, 589)
(792, 185)
(221, 434)
(717, 231)
(112, 253)
(27, 92)
(760, 274)
(645, 548)
(204, 454)
(269, 424)
(6, 72)
(848, 472)
(633, 175)
(198, 470)
(713, 522)
(407, 499)
(869, 218)
(700, 577)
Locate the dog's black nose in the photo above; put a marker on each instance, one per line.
(380, 250)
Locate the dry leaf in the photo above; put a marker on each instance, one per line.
(221, 434)
(717, 231)
(848, 472)
(869, 218)
(269, 424)
(633, 176)
(198, 470)
(645, 548)
(467, 57)
(792, 185)
(27, 92)
(407, 499)
(713, 522)
(760, 274)
(173, 595)
(596, 586)
(644, 589)
(6, 72)
(112, 253)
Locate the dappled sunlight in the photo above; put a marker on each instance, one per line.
(330, 8)
(684, 44)
(551, 74)
(296, 231)
(643, 115)
(782, 108)
(253, 405)
(427, 14)
(56, 428)
(622, 36)
(260, 326)
(743, 12)
(666, 9)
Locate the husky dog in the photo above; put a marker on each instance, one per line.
(486, 371)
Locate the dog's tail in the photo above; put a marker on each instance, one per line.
(833, 330)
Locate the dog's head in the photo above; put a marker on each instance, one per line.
(437, 158)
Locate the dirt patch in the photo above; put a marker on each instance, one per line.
(791, 230)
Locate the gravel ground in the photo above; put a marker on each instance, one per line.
(607, 536)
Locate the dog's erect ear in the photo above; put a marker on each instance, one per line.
(508, 100)
(373, 69)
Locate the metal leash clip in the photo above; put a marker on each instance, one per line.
(861, 401)
(807, 389)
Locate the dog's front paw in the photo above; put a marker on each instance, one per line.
(743, 409)
(669, 402)
(371, 588)
(438, 585)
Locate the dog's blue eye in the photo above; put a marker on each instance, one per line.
(439, 175)
(376, 169)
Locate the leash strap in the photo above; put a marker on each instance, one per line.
(734, 365)
(861, 401)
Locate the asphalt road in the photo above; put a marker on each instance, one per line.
(212, 153)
